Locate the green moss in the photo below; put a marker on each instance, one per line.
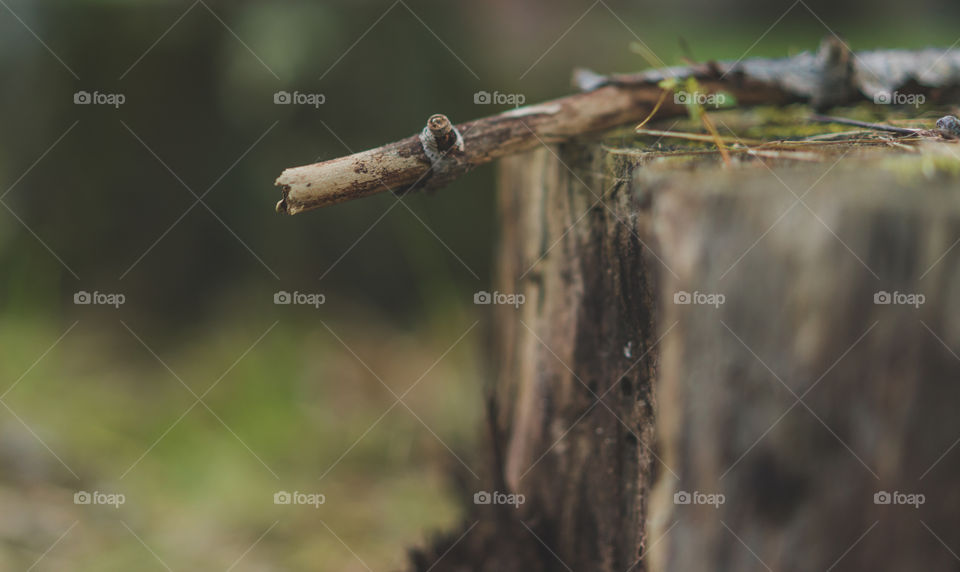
(910, 161)
(766, 123)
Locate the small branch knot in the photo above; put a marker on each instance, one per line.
(439, 139)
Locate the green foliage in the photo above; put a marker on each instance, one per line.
(199, 496)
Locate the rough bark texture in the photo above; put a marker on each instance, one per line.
(573, 394)
(600, 241)
(576, 365)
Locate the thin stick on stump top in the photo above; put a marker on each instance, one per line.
(443, 152)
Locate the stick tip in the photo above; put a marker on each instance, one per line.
(282, 206)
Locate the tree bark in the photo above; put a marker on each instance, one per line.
(714, 333)
(573, 422)
(803, 395)
(577, 360)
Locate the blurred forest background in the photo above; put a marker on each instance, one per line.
(291, 398)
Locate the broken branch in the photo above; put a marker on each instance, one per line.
(404, 165)
(443, 152)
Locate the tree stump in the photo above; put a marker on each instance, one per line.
(576, 360)
(743, 368)
(820, 398)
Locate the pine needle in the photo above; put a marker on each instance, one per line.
(717, 140)
(663, 97)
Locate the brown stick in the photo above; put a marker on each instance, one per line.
(865, 124)
(443, 152)
(403, 165)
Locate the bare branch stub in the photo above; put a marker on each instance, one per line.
(443, 132)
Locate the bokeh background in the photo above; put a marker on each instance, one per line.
(199, 398)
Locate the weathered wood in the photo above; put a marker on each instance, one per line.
(403, 165)
(576, 366)
(877, 383)
(606, 385)
(832, 76)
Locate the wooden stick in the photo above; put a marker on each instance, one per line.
(403, 165)
(865, 125)
(442, 152)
